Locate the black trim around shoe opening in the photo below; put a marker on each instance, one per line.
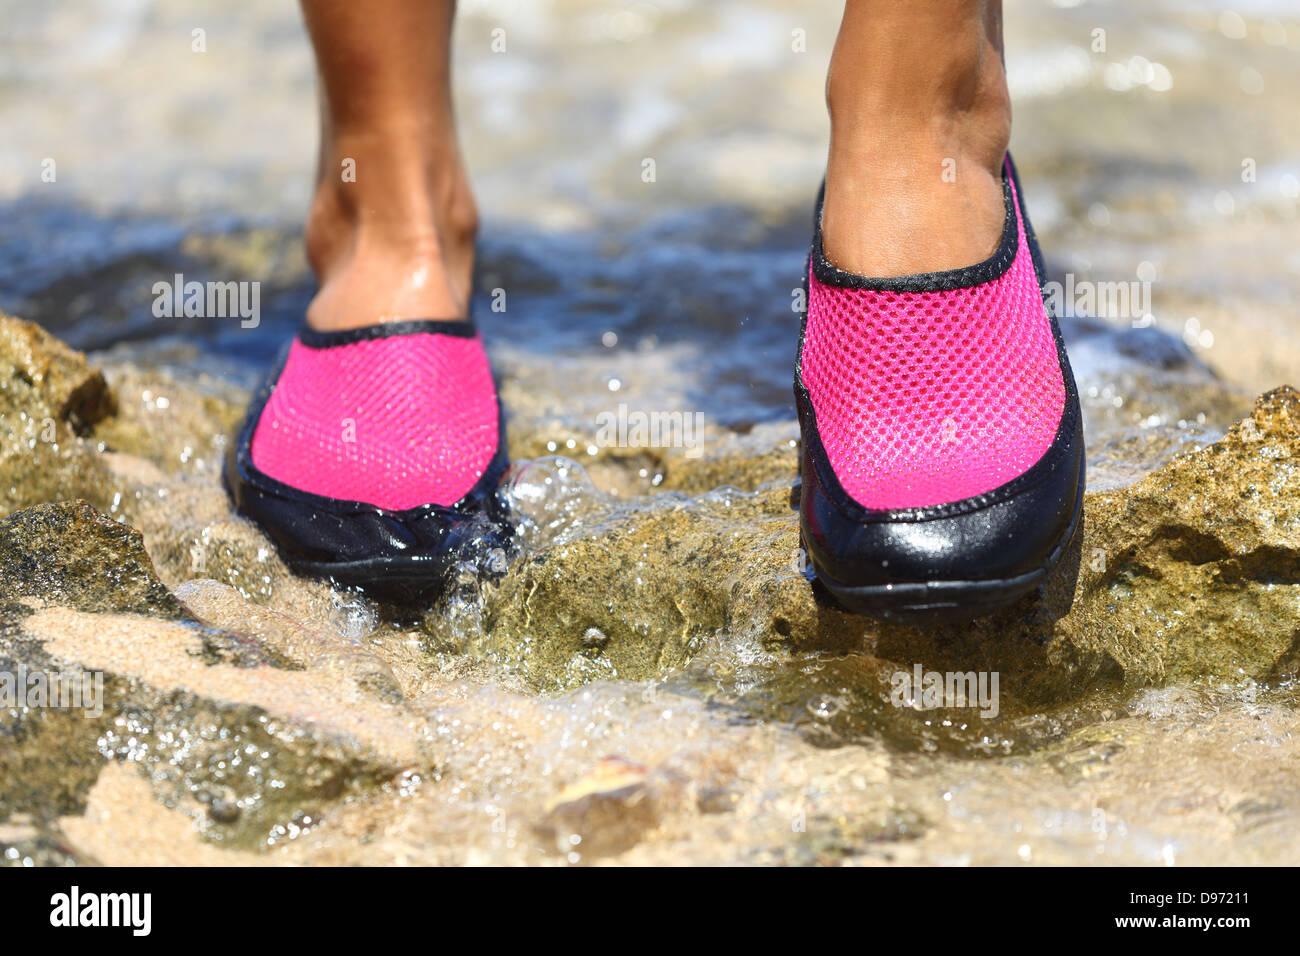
(397, 554)
(998, 541)
(460, 328)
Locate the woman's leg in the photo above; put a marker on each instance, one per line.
(920, 121)
(403, 418)
(391, 228)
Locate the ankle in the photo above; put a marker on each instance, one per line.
(905, 201)
(390, 234)
(914, 173)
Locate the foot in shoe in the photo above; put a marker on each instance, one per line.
(373, 454)
(943, 449)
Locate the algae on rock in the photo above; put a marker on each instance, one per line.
(1192, 571)
(49, 400)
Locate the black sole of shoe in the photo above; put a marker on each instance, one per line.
(949, 600)
(407, 581)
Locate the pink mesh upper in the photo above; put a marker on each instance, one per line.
(924, 398)
(397, 422)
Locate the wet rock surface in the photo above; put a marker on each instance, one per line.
(257, 724)
(49, 398)
(1193, 570)
(653, 679)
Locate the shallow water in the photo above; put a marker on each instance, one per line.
(676, 296)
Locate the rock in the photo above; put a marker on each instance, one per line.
(123, 824)
(1195, 569)
(45, 378)
(49, 399)
(656, 586)
(767, 452)
(281, 721)
(223, 811)
(1217, 530)
(320, 651)
(69, 554)
(603, 813)
(176, 428)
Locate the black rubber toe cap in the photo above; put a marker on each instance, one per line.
(1009, 534)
